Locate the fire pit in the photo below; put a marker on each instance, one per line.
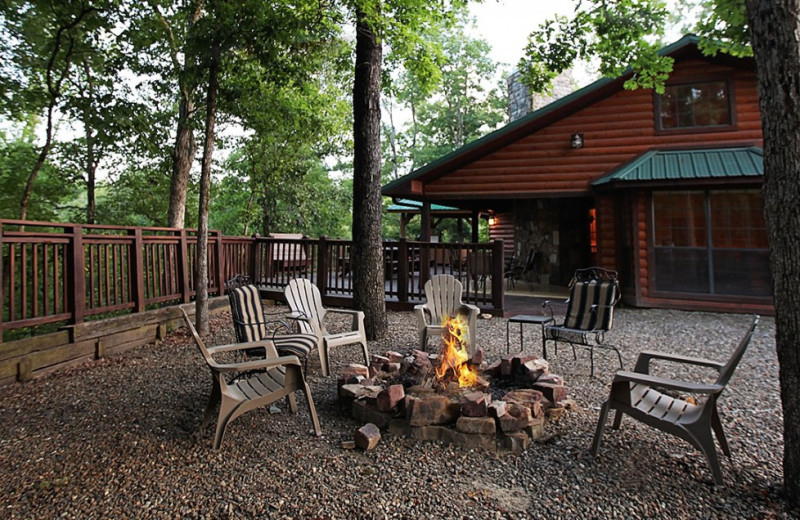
(454, 397)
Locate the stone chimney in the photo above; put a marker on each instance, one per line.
(521, 101)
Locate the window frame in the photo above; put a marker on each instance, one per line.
(731, 99)
(712, 294)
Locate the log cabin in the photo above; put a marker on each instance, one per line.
(663, 188)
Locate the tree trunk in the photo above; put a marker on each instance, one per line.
(91, 164)
(368, 285)
(774, 25)
(201, 287)
(182, 159)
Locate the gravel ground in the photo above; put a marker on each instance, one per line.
(115, 439)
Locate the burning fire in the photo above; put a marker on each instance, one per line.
(453, 357)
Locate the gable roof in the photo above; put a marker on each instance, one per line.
(557, 110)
(695, 164)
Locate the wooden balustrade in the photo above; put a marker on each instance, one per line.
(65, 273)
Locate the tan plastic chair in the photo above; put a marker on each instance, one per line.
(443, 295)
(276, 377)
(305, 302)
(640, 395)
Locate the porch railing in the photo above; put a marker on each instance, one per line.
(65, 273)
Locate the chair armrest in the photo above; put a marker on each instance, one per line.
(346, 311)
(670, 384)
(643, 361)
(423, 314)
(471, 308)
(358, 318)
(258, 364)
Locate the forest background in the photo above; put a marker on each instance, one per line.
(93, 94)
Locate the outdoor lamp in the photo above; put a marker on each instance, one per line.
(576, 141)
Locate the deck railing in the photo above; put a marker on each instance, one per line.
(66, 273)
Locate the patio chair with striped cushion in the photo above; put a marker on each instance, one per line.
(251, 324)
(590, 313)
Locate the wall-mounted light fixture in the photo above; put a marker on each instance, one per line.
(576, 140)
(492, 221)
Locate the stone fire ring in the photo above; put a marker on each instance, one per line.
(397, 393)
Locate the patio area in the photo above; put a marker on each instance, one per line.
(116, 439)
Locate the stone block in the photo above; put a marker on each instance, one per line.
(515, 442)
(394, 356)
(391, 367)
(367, 437)
(517, 417)
(356, 369)
(493, 369)
(379, 360)
(552, 378)
(468, 440)
(364, 412)
(389, 398)
(553, 392)
(476, 404)
(477, 358)
(431, 409)
(518, 362)
(497, 409)
(476, 425)
(554, 414)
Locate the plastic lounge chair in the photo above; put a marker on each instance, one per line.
(590, 313)
(641, 396)
(306, 304)
(443, 295)
(261, 383)
(251, 324)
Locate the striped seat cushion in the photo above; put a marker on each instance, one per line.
(582, 297)
(249, 324)
(295, 344)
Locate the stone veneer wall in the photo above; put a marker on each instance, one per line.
(521, 101)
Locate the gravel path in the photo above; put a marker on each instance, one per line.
(114, 439)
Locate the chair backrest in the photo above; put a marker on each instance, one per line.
(727, 371)
(304, 297)
(197, 340)
(247, 314)
(593, 294)
(443, 294)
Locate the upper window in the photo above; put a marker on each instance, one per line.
(695, 105)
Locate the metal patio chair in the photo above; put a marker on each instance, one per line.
(594, 292)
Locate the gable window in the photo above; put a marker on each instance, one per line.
(710, 242)
(694, 105)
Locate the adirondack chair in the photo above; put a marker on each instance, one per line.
(443, 295)
(641, 395)
(261, 382)
(305, 303)
(251, 324)
(590, 313)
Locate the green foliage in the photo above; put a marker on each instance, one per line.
(53, 193)
(622, 34)
(626, 35)
(464, 107)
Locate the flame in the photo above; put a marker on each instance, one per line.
(454, 356)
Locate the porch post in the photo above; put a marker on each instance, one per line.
(425, 225)
(475, 217)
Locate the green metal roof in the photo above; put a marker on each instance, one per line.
(695, 164)
(415, 205)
